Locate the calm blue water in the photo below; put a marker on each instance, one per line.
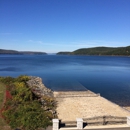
(107, 75)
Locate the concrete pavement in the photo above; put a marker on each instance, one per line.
(105, 127)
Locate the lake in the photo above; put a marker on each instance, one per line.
(107, 75)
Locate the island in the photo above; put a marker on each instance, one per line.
(114, 51)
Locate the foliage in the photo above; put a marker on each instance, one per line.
(48, 102)
(63, 53)
(7, 80)
(2, 91)
(3, 51)
(22, 108)
(124, 51)
(27, 116)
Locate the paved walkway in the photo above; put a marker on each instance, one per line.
(86, 104)
(107, 127)
(117, 128)
(112, 127)
(127, 128)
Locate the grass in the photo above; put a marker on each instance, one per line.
(2, 92)
(3, 125)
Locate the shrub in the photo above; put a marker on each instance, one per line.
(23, 109)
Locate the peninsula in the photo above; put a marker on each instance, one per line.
(114, 51)
(3, 51)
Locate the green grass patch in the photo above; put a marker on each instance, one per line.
(2, 94)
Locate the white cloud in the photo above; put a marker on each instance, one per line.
(37, 42)
(30, 41)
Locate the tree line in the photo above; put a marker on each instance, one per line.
(118, 51)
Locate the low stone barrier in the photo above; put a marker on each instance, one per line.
(128, 120)
(68, 124)
(105, 120)
(55, 124)
(79, 123)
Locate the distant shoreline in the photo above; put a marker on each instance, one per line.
(100, 51)
(97, 55)
(14, 52)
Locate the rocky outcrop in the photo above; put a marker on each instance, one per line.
(38, 88)
(44, 94)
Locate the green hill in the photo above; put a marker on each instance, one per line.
(125, 51)
(64, 53)
(3, 51)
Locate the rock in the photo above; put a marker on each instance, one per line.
(38, 88)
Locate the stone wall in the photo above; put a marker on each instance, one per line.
(96, 121)
(105, 120)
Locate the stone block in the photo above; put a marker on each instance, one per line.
(55, 124)
(79, 123)
(128, 120)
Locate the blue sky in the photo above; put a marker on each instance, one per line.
(63, 25)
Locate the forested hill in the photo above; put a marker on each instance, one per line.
(3, 51)
(121, 51)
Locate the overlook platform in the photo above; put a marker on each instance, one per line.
(85, 104)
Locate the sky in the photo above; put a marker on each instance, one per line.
(63, 25)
